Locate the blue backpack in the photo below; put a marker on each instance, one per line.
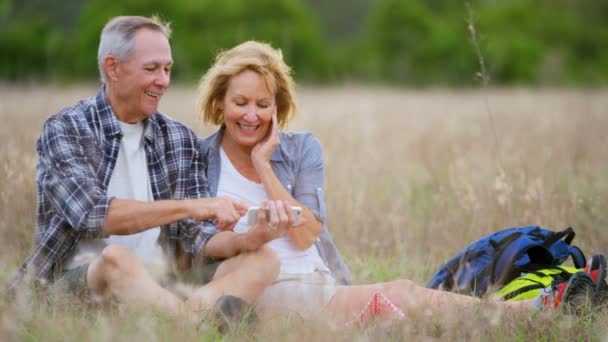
(498, 258)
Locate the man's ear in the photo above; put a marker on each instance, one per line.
(110, 64)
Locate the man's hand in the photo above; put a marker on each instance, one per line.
(225, 212)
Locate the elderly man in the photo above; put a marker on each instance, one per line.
(121, 186)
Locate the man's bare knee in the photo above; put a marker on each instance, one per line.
(115, 262)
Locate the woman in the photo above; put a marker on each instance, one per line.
(249, 93)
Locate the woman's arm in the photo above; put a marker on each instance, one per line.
(306, 233)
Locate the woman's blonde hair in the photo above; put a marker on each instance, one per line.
(258, 57)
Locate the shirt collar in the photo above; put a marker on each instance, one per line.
(150, 125)
(107, 119)
(109, 122)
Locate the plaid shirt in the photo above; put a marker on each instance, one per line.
(77, 151)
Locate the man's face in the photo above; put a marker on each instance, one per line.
(145, 75)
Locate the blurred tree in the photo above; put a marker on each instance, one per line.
(204, 27)
(417, 43)
(409, 42)
(553, 42)
(6, 7)
(62, 16)
(27, 50)
(523, 41)
(341, 21)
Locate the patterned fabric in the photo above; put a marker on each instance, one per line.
(77, 152)
(298, 164)
(379, 308)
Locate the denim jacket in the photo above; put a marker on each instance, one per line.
(298, 163)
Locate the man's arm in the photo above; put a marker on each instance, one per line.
(126, 217)
(70, 181)
(68, 178)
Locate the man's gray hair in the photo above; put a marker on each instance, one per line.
(117, 37)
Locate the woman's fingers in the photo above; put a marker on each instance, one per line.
(283, 218)
(290, 214)
(273, 215)
(262, 219)
(275, 123)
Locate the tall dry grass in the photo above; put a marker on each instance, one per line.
(412, 176)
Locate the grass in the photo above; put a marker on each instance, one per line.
(411, 178)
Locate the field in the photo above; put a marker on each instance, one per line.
(412, 176)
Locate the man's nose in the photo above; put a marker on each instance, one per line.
(164, 79)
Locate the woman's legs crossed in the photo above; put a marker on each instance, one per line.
(244, 276)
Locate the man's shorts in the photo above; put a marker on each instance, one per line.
(74, 281)
(200, 275)
(306, 294)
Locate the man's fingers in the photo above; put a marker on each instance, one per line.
(230, 226)
(220, 225)
(240, 206)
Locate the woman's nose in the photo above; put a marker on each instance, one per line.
(251, 112)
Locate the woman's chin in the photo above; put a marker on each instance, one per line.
(247, 142)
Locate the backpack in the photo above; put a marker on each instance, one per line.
(529, 285)
(498, 258)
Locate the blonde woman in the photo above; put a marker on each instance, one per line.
(249, 94)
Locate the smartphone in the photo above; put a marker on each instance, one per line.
(252, 215)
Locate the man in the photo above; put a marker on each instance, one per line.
(120, 183)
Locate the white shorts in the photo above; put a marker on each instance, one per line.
(306, 294)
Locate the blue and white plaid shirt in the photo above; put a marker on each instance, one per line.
(77, 151)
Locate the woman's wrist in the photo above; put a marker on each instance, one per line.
(263, 168)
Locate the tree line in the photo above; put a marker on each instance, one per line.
(412, 42)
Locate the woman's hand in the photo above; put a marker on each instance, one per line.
(262, 151)
(274, 220)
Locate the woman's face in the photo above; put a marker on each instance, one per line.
(248, 107)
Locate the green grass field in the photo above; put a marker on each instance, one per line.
(412, 176)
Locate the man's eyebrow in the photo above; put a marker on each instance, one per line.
(155, 63)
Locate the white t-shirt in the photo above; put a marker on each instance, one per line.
(234, 185)
(129, 180)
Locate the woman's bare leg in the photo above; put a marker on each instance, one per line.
(413, 299)
(244, 276)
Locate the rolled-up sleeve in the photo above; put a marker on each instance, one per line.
(309, 180)
(196, 233)
(67, 177)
